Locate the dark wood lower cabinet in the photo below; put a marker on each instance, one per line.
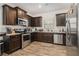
(46, 37)
(42, 37)
(64, 39)
(33, 36)
(12, 43)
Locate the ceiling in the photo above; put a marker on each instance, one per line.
(36, 8)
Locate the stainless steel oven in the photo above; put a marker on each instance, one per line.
(26, 36)
(26, 39)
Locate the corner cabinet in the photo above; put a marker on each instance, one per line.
(36, 21)
(9, 15)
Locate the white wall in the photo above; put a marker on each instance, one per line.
(0, 16)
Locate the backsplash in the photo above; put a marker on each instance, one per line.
(4, 27)
(56, 29)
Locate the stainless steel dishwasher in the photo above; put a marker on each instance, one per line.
(58, 38)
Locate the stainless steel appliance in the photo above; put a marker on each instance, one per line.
(71, 27)
(58, 38)
(26, 36)
(23, 22)
(26, 39)
(68, 33)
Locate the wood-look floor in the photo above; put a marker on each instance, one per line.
(44, 49)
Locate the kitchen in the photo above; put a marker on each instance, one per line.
(27, 29)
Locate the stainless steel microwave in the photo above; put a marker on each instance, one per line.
(22, 22)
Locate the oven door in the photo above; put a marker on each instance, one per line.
(26, 40)
(26, 37)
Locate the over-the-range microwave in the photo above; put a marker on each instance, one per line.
(23, 22)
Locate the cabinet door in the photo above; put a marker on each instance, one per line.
(32, 22)
(21, 13)
(61, 19)
(36, 21)
(14, 44)
(12, 16)
(33, 36)
(48, 37)
(17, 41)
(29, 20)
(9, 15)
(45, 37)
(39, 37)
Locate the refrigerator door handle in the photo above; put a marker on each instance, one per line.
(68, 32)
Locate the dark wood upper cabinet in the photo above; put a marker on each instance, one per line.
(20, 13)
(61, 19)
(29, 20)
(36, 21)
(9, 15)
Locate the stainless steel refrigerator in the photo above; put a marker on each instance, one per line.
(71, 26)
(72, 30)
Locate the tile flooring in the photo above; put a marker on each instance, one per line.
(44, 49)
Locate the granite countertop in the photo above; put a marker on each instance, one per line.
(13, 34)
(41, 32)
(55, 32)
